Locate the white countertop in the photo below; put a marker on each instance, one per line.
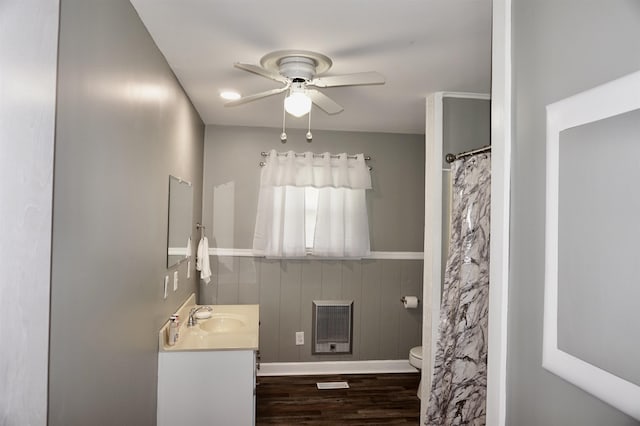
(231, 327)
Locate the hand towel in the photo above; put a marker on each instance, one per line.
(199, 256)
(202, 260)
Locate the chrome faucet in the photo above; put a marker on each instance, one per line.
(192, 319)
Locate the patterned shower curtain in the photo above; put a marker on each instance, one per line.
(458, 390)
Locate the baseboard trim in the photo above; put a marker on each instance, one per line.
(335, 367)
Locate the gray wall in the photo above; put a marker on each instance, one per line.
(466, 125)
(395, 204)
(285, 289)
(28, 56)
(560, 48)
(123, 125)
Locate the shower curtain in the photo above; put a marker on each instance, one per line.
(458, 390)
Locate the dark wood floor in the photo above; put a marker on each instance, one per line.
(383, 399)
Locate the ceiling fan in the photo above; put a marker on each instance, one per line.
(300, 71)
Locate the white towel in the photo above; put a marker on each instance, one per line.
(202, 260)
(199, 255)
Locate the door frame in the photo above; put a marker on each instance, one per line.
(500, 221)
(500, 211)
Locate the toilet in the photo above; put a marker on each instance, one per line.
(415, 359)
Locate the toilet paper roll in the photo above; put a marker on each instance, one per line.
(410, 302)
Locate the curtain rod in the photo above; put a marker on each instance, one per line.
(262, 164)
(266, 154)
(453, 157)
(300, 154)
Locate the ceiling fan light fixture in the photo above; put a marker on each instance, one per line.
(297, 104)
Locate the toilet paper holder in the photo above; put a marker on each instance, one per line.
(404, 299)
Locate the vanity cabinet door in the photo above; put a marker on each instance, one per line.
(206, 387)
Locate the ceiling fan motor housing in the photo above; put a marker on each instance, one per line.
(297, 67)
(296, 64)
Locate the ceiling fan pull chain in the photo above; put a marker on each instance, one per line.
(283, 135)
(309, 136)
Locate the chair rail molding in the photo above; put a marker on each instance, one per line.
(388, 255)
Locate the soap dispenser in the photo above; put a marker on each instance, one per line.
(173, 330)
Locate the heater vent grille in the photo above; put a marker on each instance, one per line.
(332, 326)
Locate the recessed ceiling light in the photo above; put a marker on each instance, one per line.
(229, 95)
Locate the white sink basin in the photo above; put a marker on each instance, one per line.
(233, 327)
(223, 323)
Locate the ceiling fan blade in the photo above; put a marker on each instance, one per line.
(256, 96)
(324, 102)
(356, 79)
(260, 71)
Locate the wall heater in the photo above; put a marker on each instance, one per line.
(332, 326)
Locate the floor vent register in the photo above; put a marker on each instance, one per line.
(332, 385)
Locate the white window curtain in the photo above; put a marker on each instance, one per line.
(341, 220)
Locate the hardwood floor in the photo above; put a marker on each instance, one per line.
(372, 399)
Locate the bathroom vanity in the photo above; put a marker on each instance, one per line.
(209, 376)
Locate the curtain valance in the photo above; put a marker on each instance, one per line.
(316, 170)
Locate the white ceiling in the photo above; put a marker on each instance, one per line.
(420, 46)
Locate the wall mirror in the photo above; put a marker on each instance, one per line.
(592, 234)
(180, 221)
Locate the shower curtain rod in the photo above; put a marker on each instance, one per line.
(453, 157)
(300, 154)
